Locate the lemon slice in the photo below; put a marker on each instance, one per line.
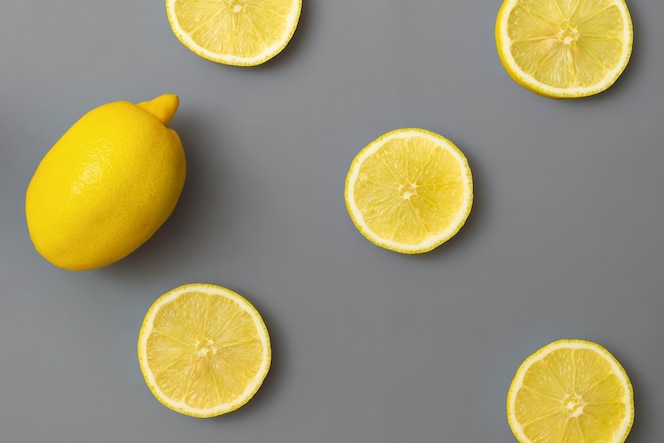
(570, 391)
(234, 32)
(564, 49)
(409, 190)
(203, 350)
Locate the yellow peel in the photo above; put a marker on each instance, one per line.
(106, 185)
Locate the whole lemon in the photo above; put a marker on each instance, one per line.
(107, 184)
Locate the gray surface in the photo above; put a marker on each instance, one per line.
(564, 240)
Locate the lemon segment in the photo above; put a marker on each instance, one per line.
(106, 185)
(204, 350)
(570, 391)
(409, 190)
(564, 49)
(234, 32)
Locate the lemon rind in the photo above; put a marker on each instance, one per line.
(529, 82)
(181, 407)
(517, 382)
(433, 242)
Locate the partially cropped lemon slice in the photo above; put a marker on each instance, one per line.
(564, 49)
(570, 391)
(203, 350)
(409, 190)
(234, 32)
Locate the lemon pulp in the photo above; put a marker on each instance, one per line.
(409, 190)
(203, 349)
(234, 32)
(570, 391)
(571, 48)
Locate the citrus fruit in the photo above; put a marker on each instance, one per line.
(570, 391)
(234, 32)
(107, 184)
(564, 49)
(203, 350)
(409, 190)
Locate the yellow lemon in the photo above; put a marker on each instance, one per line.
(234, 32)
(564, 49)
(409, 191)
(107, 184)
(570, 391)
(203, 350)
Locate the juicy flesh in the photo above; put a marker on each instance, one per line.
(244, 28)
(410, 190)
(203, 360)
(567, 43)
(571, 396)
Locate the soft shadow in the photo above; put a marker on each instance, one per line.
(294, 46)
(278, 369)
(644, 406)
(629, 77)
(476, 218)
(180, 236)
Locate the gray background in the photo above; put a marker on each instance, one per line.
(564, 240)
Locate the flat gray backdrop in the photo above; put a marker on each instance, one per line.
(564, 240)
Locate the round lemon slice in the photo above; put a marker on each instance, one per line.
(570, 391)
(564, 49)
(203, 350)
(409, 190)
(234, 32)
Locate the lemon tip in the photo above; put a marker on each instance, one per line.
(162, 107)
